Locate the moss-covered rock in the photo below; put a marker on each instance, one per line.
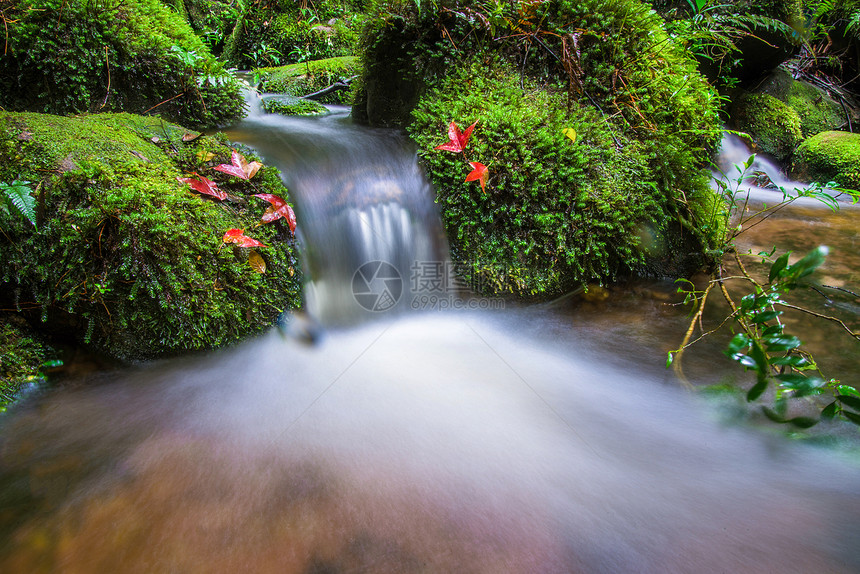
(73, 56)
(818, 112)
(773, 125)
(285, 31)
(595, 135)
(292, 106)
(309, 77)
(829, 156)
(125, 257)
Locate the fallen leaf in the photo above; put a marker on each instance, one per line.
(238, 237)
(278, 209)
(257, 262)
(189, 137)
(204, 185)
(239, 166)
(570, 133)
(479, 173)
(205, 156)
(457, 141)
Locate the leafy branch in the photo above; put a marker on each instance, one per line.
(784, 370)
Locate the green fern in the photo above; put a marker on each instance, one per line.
(19, 195)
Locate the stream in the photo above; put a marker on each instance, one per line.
(455, 434)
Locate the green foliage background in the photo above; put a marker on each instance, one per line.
(72, 56)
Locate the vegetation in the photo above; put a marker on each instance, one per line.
(625, 195)
(787, 378)
(24, 357)
(78, 56)
(286, 31)
(126, 257)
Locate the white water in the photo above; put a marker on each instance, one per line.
(433, 442)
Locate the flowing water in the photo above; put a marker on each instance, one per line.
(529, 440)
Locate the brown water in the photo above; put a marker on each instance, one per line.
(528, 440)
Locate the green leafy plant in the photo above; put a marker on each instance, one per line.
(19, 197)
(784, 371)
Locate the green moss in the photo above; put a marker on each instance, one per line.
(291, 106)
(815, 108)
(75, 56)
(23, 355)
(830, 156)
(630, 195)
(772, 124)
(308, 77)
(125, 257)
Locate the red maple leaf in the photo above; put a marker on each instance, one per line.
(239, 166)
(278, 209)
(202, 185)
(238, 237)
(479, 173)
(457, 141)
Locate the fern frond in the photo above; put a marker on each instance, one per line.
(19, 195)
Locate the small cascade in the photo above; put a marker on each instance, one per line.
(366, 214)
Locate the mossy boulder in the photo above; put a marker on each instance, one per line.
(595, 137)
(285, 31)
(126, 258)
(773, 125)
(829, 156)
(818, 112)
(73, 56)
(292, 106)
(309, 77)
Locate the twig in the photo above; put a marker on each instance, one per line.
(841, 289)
(854, 334)
(107, 93)
(164, 102)
(676, 363)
